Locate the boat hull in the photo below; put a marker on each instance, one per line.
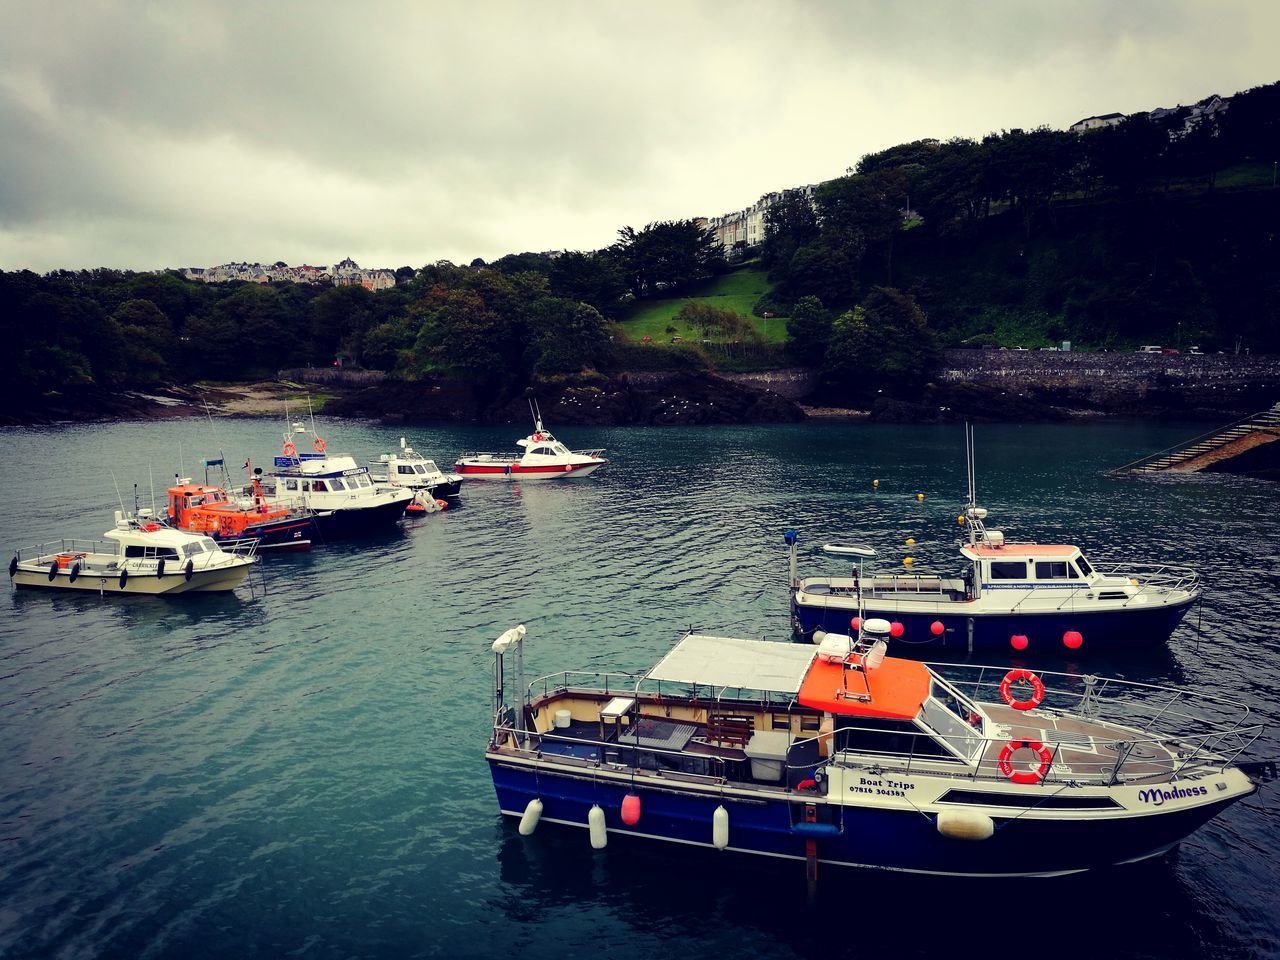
(515, 471)
(875, 838)
(286, 534)
(445, 491)
(354, 521)
(1116, 629)
(217, 580)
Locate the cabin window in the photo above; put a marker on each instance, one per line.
(427, 466)
(291, 485)
(779, 721)
(541, 451)
(337, 484)
(419, 468)
(319, 486)
(1008, 570)
(363, 480)
(898, 737)
(404, 468)
(953, 719)
(1051, 569)
(150, 553)
(1083, 564)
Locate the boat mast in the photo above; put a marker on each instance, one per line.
(972, 520)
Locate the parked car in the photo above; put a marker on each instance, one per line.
(1151, 348)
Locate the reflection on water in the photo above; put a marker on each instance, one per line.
(302, 771)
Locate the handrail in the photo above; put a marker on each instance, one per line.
(1135, 465)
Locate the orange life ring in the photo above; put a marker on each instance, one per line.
(1005, 762)
(289, 448)
(1037, 689)
(537, 437)
(318, 443)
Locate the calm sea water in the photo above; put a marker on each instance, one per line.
(301, 773)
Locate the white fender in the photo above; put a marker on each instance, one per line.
(529, 821)
(965, 825)
(720, 828)
(595, 827)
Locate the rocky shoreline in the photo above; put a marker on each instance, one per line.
(975, 385)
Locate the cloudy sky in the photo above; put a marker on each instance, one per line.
(145, 135)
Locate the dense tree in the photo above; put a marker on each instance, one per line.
(790, 222)
(592, 278)
(808, 331)
(666, 258)
(882, 345)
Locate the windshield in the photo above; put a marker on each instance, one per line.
(954, 719)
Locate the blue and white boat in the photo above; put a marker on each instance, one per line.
(1029, 597)
(839, 754)
(339, 493)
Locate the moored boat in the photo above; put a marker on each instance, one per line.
(207, 509)
(544, 458)
(1031, 598)
(410, 469)
(340, 495)
(136, 556)
(840, 754)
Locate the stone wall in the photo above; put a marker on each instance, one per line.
(1124, 381)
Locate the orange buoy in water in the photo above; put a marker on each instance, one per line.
(631, 809)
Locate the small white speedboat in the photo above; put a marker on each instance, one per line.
(544, 458)
(135, 556)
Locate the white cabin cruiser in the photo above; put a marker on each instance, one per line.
(413, 471)
(544, 458)
(137, 555)
(340, 494)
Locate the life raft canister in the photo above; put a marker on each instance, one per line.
(1005, 762)
(1020, 675)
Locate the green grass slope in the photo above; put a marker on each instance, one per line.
(737, 291)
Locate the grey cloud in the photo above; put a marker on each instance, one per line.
(132, 134)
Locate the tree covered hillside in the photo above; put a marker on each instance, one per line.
(1157, 230)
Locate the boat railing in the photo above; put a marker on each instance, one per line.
(1166, 577)
(52, 548)
(486, 455)
(873, 585)
(243, 547)
(534, 744)
(1140, 758)
(584, 681)
(594, 452)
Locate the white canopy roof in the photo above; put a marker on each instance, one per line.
(743, 664)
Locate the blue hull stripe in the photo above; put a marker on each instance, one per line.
(1109, 629)
(876, 838)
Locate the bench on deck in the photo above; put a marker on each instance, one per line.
(729, 729)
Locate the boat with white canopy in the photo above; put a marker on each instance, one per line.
(840, 754)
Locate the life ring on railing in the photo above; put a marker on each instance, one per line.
(289, 448)
(1012, 677)
(1005, 762)
(318, 443)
